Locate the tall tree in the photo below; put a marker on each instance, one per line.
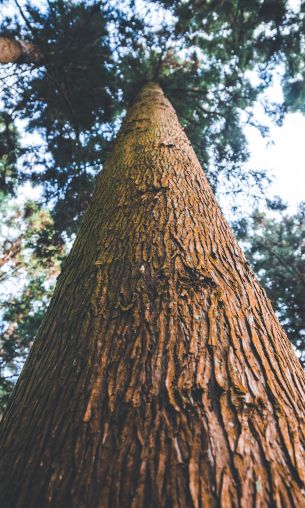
(77, 67)
(160, 376)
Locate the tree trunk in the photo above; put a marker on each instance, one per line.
(13, 51)
(160, 376)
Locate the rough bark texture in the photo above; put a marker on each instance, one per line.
(13, 51)
(161, 376)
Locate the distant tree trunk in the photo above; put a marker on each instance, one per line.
(160, 376)
(14, 51)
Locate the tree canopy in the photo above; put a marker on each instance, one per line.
(96, 56)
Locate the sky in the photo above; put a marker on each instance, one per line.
(283, 155)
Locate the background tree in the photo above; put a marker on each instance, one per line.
(30, 259)
(30, 256)
(275, 247)
(9, 151)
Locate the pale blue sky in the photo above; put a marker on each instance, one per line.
(283, 155)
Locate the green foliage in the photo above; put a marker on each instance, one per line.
(274, 244)
(68, 101)
(8, 154)
(98, 55)
(30, 261)
(233, 39)
(30, 256)
(241, 33)
(294, 76)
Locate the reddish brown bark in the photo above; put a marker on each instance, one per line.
(160, 376)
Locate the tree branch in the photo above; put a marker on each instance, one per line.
(15, 51)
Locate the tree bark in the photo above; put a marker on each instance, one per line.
(14, 51)
(160, 376)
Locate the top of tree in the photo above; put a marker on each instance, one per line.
(96, 56)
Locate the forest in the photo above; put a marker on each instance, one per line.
(161, 278)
